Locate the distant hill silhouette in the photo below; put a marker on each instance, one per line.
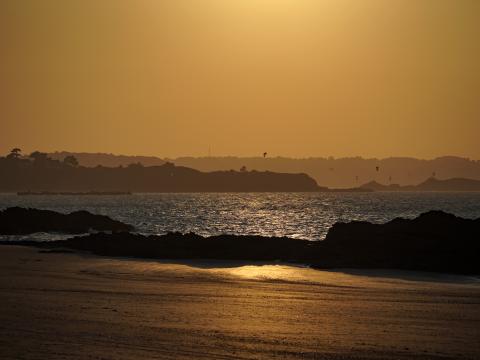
(350, 172)
(431, 184)
(330, 172)
(40, 173)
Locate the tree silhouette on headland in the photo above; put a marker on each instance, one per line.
(15, 153)
(39, 157)
(71, 161)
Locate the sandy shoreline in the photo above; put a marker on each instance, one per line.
(72, 306)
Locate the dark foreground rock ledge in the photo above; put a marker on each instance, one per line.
(435, 241)
(17, 221)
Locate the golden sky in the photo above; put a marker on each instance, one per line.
(300, 78)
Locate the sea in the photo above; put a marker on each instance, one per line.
(296, 215)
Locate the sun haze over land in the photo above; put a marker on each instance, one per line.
(292, 77)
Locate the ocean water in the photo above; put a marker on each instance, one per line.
(297, 215)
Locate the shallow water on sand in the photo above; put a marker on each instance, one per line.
(297, 215)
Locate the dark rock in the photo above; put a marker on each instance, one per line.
(434, 241)
(189, 246)
(18, 220)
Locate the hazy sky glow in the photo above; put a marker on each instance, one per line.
(291, 77)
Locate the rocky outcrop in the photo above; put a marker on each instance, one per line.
(188, 246)
(18, 220)
(435, 241)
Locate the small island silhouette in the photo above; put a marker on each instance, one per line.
(431, 184)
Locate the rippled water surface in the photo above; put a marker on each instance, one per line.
(297, 215)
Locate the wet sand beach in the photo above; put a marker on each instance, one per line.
(78, 306)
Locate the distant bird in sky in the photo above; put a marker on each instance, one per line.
(264, 154)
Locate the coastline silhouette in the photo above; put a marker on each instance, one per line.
(330, 172)
(39, 174)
